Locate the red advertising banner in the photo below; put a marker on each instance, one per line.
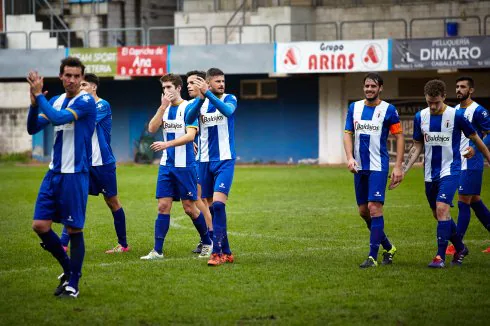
(142, 60)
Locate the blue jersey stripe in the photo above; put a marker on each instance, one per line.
(436, 160)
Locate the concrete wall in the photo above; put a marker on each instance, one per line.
(14, 100)
(375, 11)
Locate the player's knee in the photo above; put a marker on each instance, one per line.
(72, 230)
(465, 199)
(475, 199)
(163, 208)
(190, 210)
(442, 212)
(40, 227)
(113, 203)
(375, 209)
(364, 212)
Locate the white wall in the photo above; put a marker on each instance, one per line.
(28, 23)
(14, 102)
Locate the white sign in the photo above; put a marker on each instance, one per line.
(332, 57)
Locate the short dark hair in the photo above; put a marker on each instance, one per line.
(213, 72)
(374, 77)
(470, 80)
(91, 78)
(71, 62)
(173, 78)
(198, 73)
(434, 88)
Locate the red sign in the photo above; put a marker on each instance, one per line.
(142, 60)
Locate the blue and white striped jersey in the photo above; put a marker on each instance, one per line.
(217, 132)
(101, 139)
(480, 119)
(72, 146)
(174, 127)
(371, 126)
(441, 135)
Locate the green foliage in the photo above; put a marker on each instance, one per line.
(16, 157)
(298, 241)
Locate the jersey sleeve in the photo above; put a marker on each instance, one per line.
(82, 106)
(417, 130)
(482, 119)
(464, 124)
(349, 120)
(193, 124)
(394, 121)
(103, 110)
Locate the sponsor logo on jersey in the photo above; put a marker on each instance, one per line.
(438, 139)
(212, 119)
(367, 127)
(173, 126)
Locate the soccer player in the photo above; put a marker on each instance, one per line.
(203, 207)
(470, 180)
(216, 113)
(177, 177)
(63, 193)
(369, 122)
(103, 170)
(438, 128)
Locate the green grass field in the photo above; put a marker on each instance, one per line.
(297, 239)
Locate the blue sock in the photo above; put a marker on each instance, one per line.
(385, 242)
(377, 226)
(443, 234)
(211, 210)
(225, 246)
(65, 237)
(162, 224)
(455, 237)
(200, 224)
(51, 242)
(77, 252)
(481, 211)
(219, 226)
(120, 226)
(464, 215)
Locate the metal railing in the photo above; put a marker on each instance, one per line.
(240, 31)
(485, 24)
(122, 39)
(445, 20)
(68, 33)
(373, 24)
(306, 25)
(176, 32)
(26, 39)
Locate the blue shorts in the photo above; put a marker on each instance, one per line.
(196, 168)
(370, 186)
(216, 177)
(442, 190)
(103, 180)
(62, 198)
(470, 182)
(177, 183)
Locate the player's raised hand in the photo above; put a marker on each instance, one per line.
(36, 82)
(164, 101)
(396, 178)
(468, 153)
(158, 146)
(352, 166)
(201, 84)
